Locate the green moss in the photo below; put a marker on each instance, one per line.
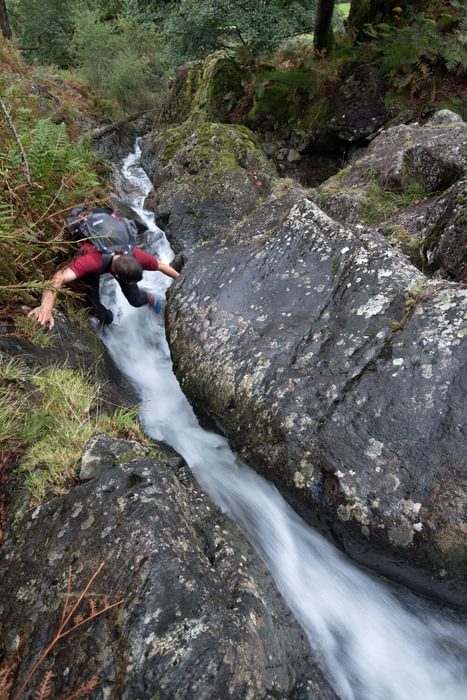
(272, 102)
(209, 148)
(414, 293)
(409, 244)
(46, 417)
(397, 326)
(204, 91)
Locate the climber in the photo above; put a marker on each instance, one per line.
(107, 245)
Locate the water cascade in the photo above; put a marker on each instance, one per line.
(372, 645)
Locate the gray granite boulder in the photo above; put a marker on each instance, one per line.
(199, 614)
(410, 161)
(338, 370)
(444, 234)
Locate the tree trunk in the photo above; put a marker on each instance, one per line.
(4, 23)
(324, 35)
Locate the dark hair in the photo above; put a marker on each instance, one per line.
(127, 268)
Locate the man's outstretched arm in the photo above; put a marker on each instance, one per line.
(43, 313)
(167, 270)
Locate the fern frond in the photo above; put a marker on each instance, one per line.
(45, 689)
(85, 689)
(7, 670)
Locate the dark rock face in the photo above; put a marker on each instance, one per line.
(444, 235)
(337, 369)
(392, 188)
(433, 156)
(76, 347)
(359, 107)
(206, 178)
(200, 616)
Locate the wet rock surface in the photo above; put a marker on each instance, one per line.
(337, 369)
(200, 616)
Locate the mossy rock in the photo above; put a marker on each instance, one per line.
(205, 90)
(208, 177)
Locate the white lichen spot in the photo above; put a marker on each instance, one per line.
(427, 371)
(374, 449)
(289, 422)
(373, 306)
(77, 510)
(409, 507)
(87, 523)
(299, 480)
(343, 513)
(401, 535)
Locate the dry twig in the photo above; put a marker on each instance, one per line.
(69, 609)
(27, 172)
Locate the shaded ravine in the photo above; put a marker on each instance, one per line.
(372, 645)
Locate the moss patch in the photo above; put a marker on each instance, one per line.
(211, 149)
(399, 237)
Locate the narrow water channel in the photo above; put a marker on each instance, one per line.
(374, 644)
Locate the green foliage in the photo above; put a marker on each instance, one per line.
(62, 172)
(42, 29)
(197, 27)
(123, 58)
(403, 49)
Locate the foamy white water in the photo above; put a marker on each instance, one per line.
(372, 646)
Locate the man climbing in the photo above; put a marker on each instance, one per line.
(107, 245)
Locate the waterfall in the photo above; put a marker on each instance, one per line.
(374, 644)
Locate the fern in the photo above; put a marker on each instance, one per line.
(45, 688)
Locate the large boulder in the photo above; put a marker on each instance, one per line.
(204, 90)
(444, 234)
(409, 158)
(206, 178)
(338, 370)
(199, 616)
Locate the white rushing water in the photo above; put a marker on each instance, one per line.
(372, 646)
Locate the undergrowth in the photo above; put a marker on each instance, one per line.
(46, 417)
(381, 204)
(44, 173)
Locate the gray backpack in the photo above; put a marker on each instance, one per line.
(108, 232)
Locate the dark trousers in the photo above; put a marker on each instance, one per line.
(135, 296)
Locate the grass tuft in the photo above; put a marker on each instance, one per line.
(47, 416)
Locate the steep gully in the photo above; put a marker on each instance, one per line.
(375, 644)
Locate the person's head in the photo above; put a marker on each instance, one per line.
(126, 268)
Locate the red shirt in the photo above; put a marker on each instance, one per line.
(90, 260)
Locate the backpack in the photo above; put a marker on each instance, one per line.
(107, 231)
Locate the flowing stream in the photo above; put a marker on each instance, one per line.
(373, 645)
